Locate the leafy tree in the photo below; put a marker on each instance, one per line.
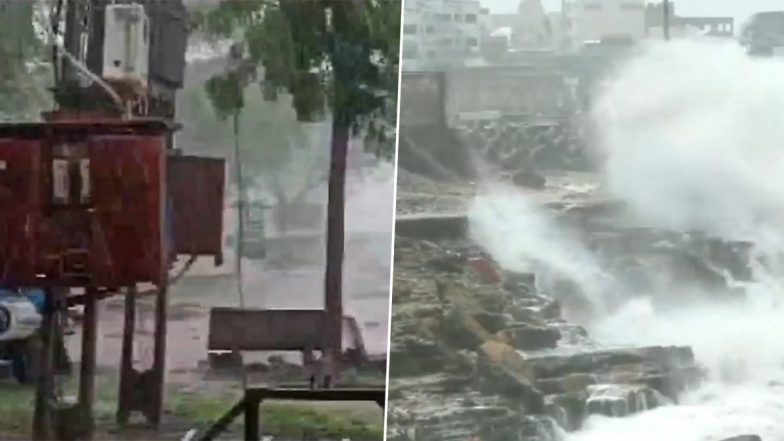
(335, 57)
(23, 74)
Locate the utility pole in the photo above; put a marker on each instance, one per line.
(666, 18)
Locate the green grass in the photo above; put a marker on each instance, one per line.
(336, 420)
(16, 409)
(290, 419)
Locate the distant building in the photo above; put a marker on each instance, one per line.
(723, 27)
(496, 45)
(597, 20)
(532, 28)
(439, 34)
(559, 24)
(498, 21)
(764, 34)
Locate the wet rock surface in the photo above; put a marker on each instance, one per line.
(480, 352)
(549, 144)
(475, 356)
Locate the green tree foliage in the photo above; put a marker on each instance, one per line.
(227, 94)
(23, 74)
(333, 56)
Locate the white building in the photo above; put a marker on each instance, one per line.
(440, 33)
(532, 27)
(594, 20)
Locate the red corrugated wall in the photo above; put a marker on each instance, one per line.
(128, 195)
(119, 235)
(20, 208)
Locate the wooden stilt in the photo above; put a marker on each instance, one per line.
(87, 368)
(159, 361)
(44, 394)
(127, 374)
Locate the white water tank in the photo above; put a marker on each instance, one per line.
(126, 50)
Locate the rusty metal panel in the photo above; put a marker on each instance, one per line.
(20, 208)
(196, 189)
(266, 329)
(128, 177)
(82, 203)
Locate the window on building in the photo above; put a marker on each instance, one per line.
(429, 29)
(444, 17)
(472, 42)
(593, 7)
(470, 18)
(410, 29)
(446, 42)
(458, 18)
(431, 54)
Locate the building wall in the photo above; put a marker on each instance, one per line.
(508, 90)
(421, 100)
(440, 33)
(598, 19)
(532, 28)
(764, 33)
(686, 26)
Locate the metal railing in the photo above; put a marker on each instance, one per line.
(250, 404)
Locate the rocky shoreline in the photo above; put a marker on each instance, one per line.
(480, 353)
(475, 354)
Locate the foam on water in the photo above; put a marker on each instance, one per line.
(692, 135)
(693, 139)
(523, 238)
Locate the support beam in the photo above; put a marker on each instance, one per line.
(89, 347)
(44, 394)
(252, 425)
(127, 374)
(159, 361)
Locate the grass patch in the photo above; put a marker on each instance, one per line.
(16, 409)
(289, 419)
(323, 420)
(334, 420)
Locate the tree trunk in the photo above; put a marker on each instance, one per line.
(333, 279)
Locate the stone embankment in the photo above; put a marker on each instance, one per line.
(477, 352)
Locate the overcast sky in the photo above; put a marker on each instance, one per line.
(740, 9)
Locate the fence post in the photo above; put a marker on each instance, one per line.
(252, 405)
